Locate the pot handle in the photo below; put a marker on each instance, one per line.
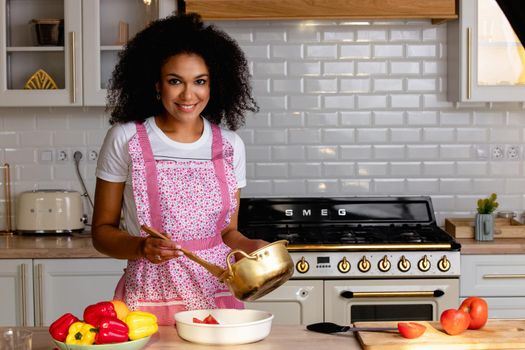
(230, 271)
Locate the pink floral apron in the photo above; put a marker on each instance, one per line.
(192, 201)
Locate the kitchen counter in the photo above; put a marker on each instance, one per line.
(281, 337)
(56, 247)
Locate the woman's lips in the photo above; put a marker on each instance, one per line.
(186, 107)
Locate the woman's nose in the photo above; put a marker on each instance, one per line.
(186, 92)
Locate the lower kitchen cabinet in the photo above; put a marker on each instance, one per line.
(499, 279)
(16, 284)
(44, 289)
(295, 302)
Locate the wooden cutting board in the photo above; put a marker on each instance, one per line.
(497, 334)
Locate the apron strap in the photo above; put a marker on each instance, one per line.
(218, 165)
(151, 177)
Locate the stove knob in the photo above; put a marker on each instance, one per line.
(343, 265)
(404, 264)
(302, 265)
(444, 264)
(424, 264)
(363, 265)
(384, 264)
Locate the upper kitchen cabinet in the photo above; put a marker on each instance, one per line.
(107, 26)
(437, 10)
(486, 61)
(43, 69)
(62, 52)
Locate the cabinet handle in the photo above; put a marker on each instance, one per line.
(23, 294)
(39, 273)
(469, 63)
(512, 275)
(401, 294)
(73, 67)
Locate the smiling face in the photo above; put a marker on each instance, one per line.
(184, 87)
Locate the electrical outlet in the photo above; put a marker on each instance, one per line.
(62, 155)
(92, 155)
(513, 152)
(498, 152)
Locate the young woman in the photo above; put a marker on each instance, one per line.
(166, 163)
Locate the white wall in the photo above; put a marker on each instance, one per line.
(346, 109)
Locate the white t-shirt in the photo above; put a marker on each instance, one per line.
(114, 161)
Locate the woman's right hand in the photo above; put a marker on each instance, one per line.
(158, 251)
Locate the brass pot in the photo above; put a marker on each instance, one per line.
(250, 278)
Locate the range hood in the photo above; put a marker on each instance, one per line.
(514, 10)
(437, 10)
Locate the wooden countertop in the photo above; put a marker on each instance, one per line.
(281, 337)
(56, 247)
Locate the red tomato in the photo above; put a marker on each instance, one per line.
(210, 320)
(478, 311)
(196, 320)
(454, 321)
(411, 330)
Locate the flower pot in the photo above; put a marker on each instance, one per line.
(484, 227)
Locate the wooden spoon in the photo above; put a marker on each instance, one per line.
(214, 269)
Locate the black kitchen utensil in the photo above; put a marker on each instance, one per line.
(329, 327)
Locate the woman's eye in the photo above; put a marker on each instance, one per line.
(174, 81)
(201, 81)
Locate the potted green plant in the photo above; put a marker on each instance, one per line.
(484, 226)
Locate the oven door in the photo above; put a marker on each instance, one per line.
(348, 301)
(293, 303)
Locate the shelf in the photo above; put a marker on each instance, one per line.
(35, 48)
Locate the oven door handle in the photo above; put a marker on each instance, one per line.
(398, 294)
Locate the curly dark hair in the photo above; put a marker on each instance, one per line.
(132, 93)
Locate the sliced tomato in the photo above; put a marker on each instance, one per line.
(196, 320)
(210, 320)
(411, 330)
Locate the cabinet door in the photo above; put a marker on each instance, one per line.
(16, 291)
(56, 50)
(295, 302)
(108, 24)
(493, 275)
(486, 61)
(69, 285)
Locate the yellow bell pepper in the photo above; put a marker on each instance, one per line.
(141, 324)
(81, 333)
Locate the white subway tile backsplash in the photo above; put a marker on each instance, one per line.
(347, 108)
(371, 102)
(488, 186)
(304, 136)
(356, 51)
(369, 135)
(305, 170)
(338, 136)
(319, 119)
(439, 168)
(403, 68)
(323, 187)
(390, 152)
(470, 168)
(405, 169)
(423, 152)
(288, 153)
(356, 187)
(438, 135)
(338, 169)
(356, 152)
(321, 51)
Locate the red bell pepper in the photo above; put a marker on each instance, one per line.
(60, 327)
(111, 330)
(95, 311)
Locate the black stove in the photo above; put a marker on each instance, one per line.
(345, 223)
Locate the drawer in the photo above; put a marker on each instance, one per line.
(506, 308)
(492, 275)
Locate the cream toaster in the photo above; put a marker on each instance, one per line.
(49, 212)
